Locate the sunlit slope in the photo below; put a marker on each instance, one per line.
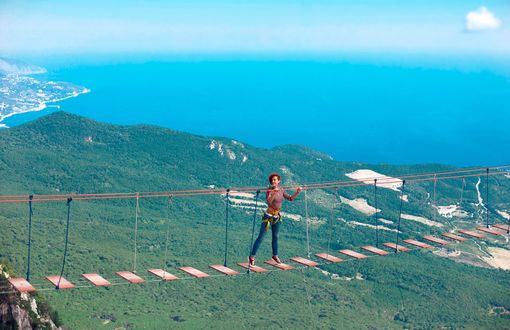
(62, 153)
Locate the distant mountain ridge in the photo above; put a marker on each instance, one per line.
(11, 66)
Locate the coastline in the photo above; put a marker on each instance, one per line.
(42, 106)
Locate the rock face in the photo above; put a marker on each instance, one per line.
(13, 315)
(21, 311)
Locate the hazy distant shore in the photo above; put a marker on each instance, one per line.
(42, 106)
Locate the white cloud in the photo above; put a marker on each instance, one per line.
(482, 19)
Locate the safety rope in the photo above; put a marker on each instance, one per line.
(375, 215)
(69, 200)
(226, 227)
(253, 226)
(167, 229)
(30, 214)
(307, 226)
(400, 212)
(137, 210)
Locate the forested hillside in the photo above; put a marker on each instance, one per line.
(454, 286)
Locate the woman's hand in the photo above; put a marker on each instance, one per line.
(298, 190)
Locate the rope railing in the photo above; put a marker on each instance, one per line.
(381, 180)
(399, 182)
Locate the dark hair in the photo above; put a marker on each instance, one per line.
(272, 175)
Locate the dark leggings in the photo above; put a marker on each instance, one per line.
(274, 229)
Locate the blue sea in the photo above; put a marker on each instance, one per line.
(366, 111)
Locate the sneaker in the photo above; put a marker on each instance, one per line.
(251, 260)
(278, 261)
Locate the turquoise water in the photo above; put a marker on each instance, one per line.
(352, 111)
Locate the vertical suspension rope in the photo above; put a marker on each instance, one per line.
(400, 212)
(435, 205)
(307, 225)
(253, 225)
(375, 215)
(69, 200)
(30, 213)
(167, 229)
(226, 227)
(137, 210)
(308, 299)
(331, 215)
(462, 191)
(508, 228)
(487, 196)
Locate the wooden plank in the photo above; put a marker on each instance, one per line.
(163, 274)
(96, 279)
(493, 231)
(396, 247)
(501, 226)
(255, 269)
(224, 270)
(194, 272)
(329, 257)
(130, 277)
(436, 240)
(455, 237)
(21, 284)
(375, 250)
(280, 265)
(471, 233)
(353, 254)
(64, 284)
(417, 243)
(304, 261)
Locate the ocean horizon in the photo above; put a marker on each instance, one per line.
(353, 111)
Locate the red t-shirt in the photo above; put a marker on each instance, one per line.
(278, 198)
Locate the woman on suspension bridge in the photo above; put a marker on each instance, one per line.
(272, 217)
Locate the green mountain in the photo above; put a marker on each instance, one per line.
(453, 287)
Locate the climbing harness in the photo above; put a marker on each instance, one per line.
(271, 217)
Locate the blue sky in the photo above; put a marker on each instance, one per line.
(432, 26)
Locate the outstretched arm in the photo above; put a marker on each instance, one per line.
(291, 198)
